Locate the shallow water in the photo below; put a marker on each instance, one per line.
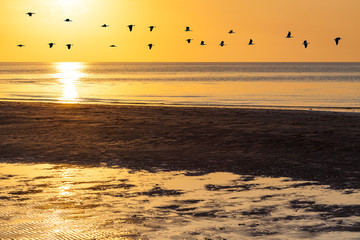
(294, 85)
(43, 201)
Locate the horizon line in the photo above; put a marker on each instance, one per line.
(181, 62)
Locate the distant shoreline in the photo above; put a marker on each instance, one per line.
(260, 107)
(307, 145)
(176, 62)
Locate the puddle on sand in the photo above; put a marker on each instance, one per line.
(70, 202)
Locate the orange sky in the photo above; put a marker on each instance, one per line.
(265, 21)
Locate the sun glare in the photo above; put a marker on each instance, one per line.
(69, 67)
(69, 3)
(69, 74)
(73, 7)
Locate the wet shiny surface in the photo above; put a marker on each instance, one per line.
(70, 202)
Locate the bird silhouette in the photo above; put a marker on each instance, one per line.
(150, 45)
(30, 13)
(231, 31)
(289, 35)
(251, 42)
(131, 27)
(21, 45)
(51, 45)
(69, 45)
(104, 25)
(187, 29)
(306, 43)
(337, 40)
(113, 45)
(152, 28)
(222, 43)
(202, 43)
(188, 40)
(67, 20)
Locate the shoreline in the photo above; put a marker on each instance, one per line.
(144, 104)
(308, 145)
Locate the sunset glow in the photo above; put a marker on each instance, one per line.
(169, 119)
(265, 21)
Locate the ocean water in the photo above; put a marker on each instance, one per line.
(327, 86)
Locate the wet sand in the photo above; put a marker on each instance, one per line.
(304, 145)
(43, 201)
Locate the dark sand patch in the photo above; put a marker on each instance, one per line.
(159, 192)
(259, 211)
(321, 228)
(243, 187)
(110, 186)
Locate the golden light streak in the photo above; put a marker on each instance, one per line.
(69, 74)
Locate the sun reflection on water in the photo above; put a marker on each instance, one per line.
(69, 75)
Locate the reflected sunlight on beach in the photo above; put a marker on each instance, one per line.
(73, 202)
(69, 74)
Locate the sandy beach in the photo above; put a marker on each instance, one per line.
(303, 145)
(74, 171)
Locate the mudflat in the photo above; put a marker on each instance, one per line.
(306, 145)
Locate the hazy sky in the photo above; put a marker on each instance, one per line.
(265, 21)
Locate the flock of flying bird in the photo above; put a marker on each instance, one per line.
(187, 29)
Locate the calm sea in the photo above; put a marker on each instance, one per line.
(331, 86)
